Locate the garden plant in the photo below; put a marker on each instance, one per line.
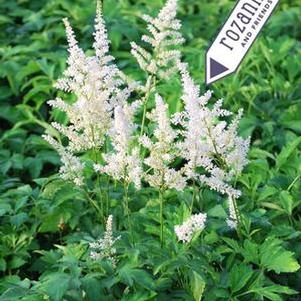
(123, 177)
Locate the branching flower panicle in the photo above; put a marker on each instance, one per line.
(209, 142)
(104, 248)
(190, 227)
(215, 144)
(164, 36)
(98, 86)
(124, 162)
(72, 169)
(162, 152)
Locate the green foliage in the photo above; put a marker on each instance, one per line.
(46, 224)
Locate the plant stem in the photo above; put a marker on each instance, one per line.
(201, 201)
(238, 218)
(193, 196)
(127, 209)
(293, 183)
(98, 189)
(94, 204)
(150, 83)
(161, 218)
(100, 199)
(108, 196)
(143, 117)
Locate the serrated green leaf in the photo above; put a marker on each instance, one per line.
(130, 276)
(250, 252)
(239, 276)
(286, 202)
(54, 285)
(274, 257)
(92, 288)
(273, 292)
(286, 152)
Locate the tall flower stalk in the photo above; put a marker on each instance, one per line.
(99, 86)
(123, 163)
(104, 248)
(160, 60)
(162, 152)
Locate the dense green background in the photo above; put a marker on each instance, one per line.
(40, 228)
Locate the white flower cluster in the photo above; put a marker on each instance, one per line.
(209, 142)
(89, 116)
(190, 227)
(72, 169)
(124, 162)
(164, 35)
(104, 248)
(99, 86)
(200, 136)
(163, 151)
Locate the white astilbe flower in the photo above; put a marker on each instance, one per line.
(72, 169)
(190, 227)
(98, 86)
(104, 248)
(209, 142)
(164, 35)
(124, 162)
(162, 152)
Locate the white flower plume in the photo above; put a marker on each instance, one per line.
(104, 248)
(162, 152)
(72, 169)
(101, 41)
(164, 36)
(209, 142)
(190, 227)
(98, 86)
(124, 162)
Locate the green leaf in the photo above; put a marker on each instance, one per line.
(239, 276)
(139, 296)
(286, 152)
(17, 288)
(272, 292)
(274, 257)
(197, 285)
(266, 192)
(286, 202)
(4, 208)
(129, 276)
(54, 285)
(2, 264)
(19, 219)
(217, 211)
(250, 252)
(16, 262)
(13, 293)
(92, 288)
(34, 166)
(232, 244)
